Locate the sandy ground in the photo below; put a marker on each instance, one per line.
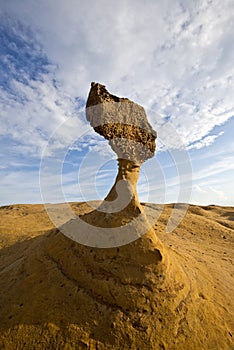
(57, 294)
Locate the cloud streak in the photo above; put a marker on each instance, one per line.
(173, 57)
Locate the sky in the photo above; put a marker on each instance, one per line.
(175, 58)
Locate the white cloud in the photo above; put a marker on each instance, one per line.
(208, 195)
(39, 109)
(215, 168)
(206, 141)
(175, 57)
(20, 187)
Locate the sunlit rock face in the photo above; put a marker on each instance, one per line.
(122, 122)
(119, 219)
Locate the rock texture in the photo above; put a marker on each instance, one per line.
(124, 124)
(57, 294)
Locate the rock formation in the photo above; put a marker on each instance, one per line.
(59, 294)
(124, 124)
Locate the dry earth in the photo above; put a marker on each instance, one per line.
(57, 294)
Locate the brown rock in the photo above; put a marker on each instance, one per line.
(125, 125)
(122, 122)
(58, 294)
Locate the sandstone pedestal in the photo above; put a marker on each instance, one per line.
(124, 124)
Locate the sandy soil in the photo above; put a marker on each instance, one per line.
(57, 294)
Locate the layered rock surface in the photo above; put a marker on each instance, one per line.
(58, 294)
(124, 124)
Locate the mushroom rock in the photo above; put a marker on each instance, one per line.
(125, 245)
(58, 293)
(124, 124)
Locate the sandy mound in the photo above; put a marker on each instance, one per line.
(57, 294)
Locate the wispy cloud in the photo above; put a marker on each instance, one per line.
(206, 141)
(173, 57)
(208, 195)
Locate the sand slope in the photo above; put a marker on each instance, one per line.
(57, 294)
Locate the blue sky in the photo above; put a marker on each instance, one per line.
(175, 58)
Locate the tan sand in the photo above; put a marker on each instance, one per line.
(57, 294)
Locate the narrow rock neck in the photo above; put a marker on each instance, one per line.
(128, 174)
